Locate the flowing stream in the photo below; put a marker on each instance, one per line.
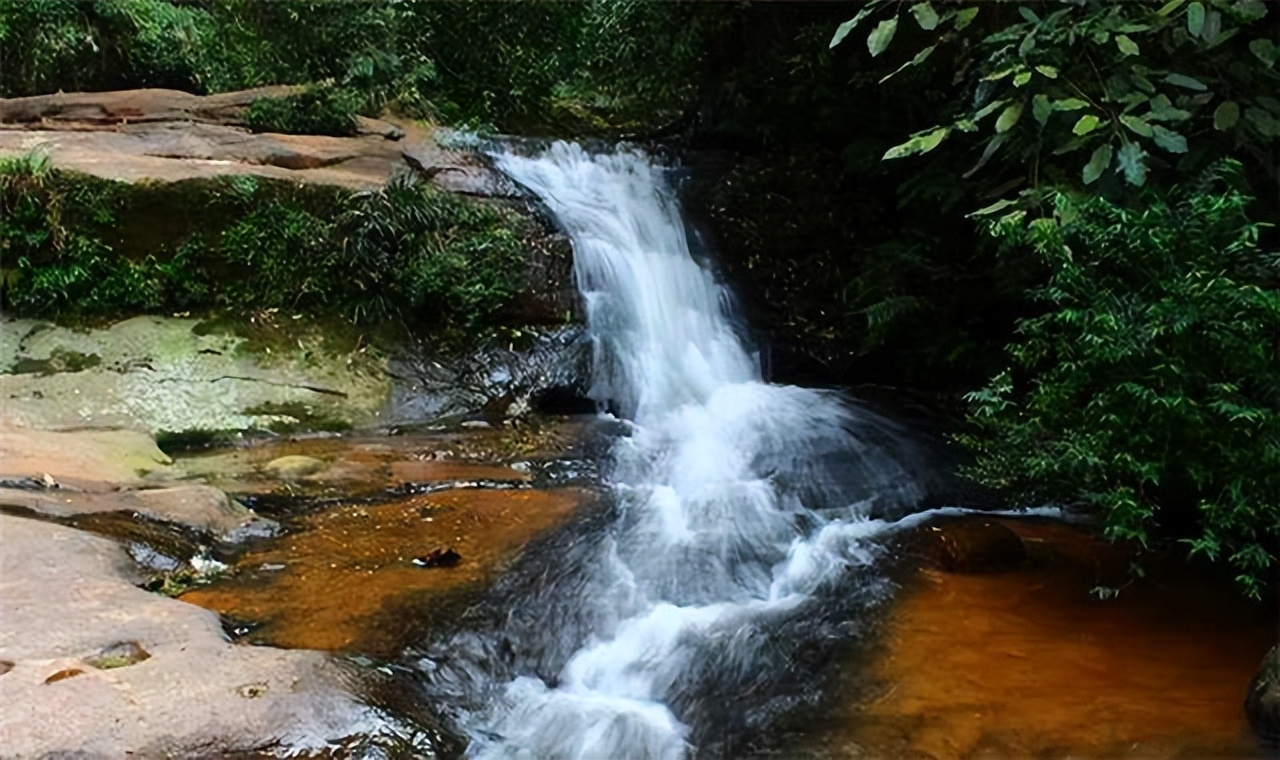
(695, 607)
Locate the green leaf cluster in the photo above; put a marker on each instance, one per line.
(1148, 385)
(77, 245)
(1114, 91)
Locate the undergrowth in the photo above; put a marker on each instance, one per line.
(73, 245)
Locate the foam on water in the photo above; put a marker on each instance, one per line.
(737, 500)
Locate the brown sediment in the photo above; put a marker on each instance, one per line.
(1030, 664)
(348, 582)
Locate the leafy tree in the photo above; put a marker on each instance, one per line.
(1149, 386)
(1096, 91)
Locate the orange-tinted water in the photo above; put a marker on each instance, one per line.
(1029, 665)
(345, 579)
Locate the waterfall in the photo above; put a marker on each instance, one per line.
(740, 509)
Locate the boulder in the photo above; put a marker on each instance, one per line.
(973, 545)
(1262, 703)
(130, 673)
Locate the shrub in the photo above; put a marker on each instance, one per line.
(321, 109)
(1149, 386)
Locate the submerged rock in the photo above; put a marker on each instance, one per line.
(294, 466)
(1262, 703)
(973, 546)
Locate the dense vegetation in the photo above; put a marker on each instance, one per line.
(77, 245)
(1061, 209)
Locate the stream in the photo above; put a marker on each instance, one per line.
(737, 545)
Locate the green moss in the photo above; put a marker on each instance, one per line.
(305, 417)
(60, 360)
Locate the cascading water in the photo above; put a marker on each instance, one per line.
(738, 518)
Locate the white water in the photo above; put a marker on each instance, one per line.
(739, 499)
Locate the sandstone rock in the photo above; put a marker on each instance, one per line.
(171, 136)
(69, 597)
(1262, 702)
(195, 506)
(973, 545)
(294, 466)
(90, 459)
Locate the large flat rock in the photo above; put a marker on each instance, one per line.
(155, 135)
(69, 607)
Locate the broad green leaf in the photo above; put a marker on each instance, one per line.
(1041, 108)
(1022, 78)
(1009, 117)
(1098, 163)
(918, 59)
(1263, 121)
(1163, 110)
(1250, 10)
(1181, 80)
(1136, 124)
(965, 17)
(1133, 163)
(1126, 45)
(1226, 115)
(1265, 51)
(1028, 14)
(1048, 71)
(921, 143)
(1069, 104)
(1212, 26)
(1085, 125)
(880, 37)
(843, 30)
(1195, 19)
(925, 15)
(1169, 140)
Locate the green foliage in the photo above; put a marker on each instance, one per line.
(598, 66)
(1148, 387)
(321, 109)
(435, 254)
(407, 251)
(1099, 91)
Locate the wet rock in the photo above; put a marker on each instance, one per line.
(294, 467)
(443, 556)
(86, 459)
(69, 599)
(120, 655)
(973, 546)
(194, 506)
(1262, 703)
